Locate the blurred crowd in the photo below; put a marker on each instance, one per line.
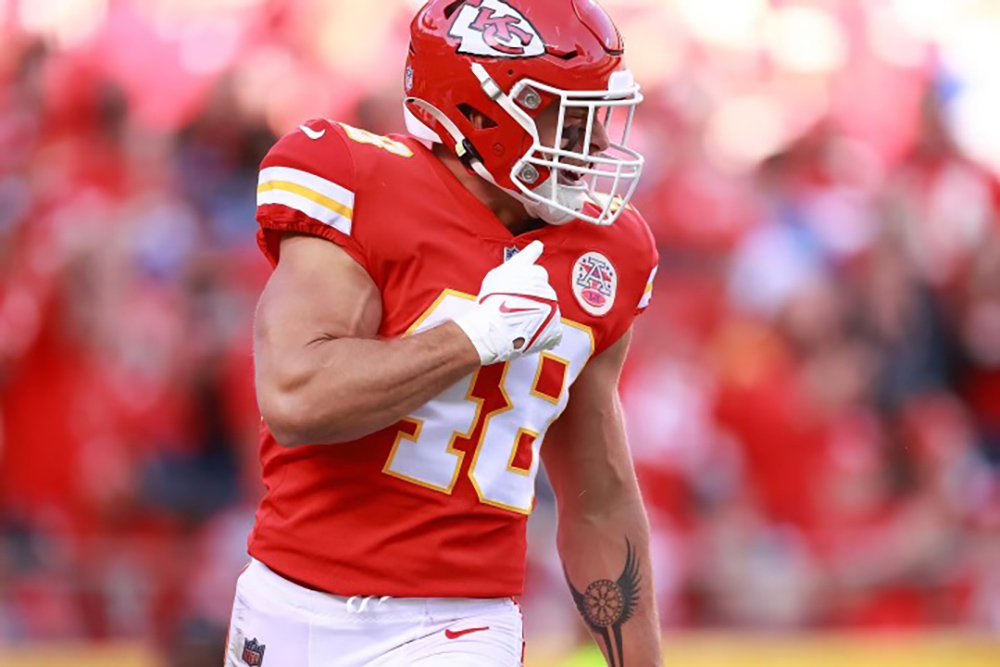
(812, 400)
(815, 409)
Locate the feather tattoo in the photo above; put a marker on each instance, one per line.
(607, 605)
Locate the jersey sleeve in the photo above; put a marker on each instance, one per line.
(636, 258)
(307, 186)
(647, 261)
(647, 294)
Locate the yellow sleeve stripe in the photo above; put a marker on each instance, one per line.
(316, 197)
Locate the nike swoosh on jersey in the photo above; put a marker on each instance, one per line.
(311, 133)
(455, 634)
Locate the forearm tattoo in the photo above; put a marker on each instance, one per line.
(607, 605)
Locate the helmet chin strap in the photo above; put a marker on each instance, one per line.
(548, 213)
(569, 196)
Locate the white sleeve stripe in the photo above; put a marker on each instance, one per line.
(309, 181)
(307, 206)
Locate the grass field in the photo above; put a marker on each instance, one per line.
(806, 650)
(684, 650)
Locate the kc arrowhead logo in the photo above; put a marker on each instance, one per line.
(494, 28)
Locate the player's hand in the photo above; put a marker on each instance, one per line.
(517, 311)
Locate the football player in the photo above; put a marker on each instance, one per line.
(441, 304)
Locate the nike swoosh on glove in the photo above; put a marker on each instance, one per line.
(517, 311)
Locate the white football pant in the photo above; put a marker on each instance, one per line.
(277, 623)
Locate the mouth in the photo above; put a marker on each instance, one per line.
(570, 178)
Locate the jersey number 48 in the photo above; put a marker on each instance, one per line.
(509, 406)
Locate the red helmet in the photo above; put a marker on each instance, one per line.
(504, 63)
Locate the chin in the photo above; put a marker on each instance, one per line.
(572, 197)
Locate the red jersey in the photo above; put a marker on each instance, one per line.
(435, 505)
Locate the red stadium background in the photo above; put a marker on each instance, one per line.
(813, 398)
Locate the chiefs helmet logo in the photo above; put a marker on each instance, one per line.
(494, 28)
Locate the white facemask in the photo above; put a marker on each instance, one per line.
(607, 180)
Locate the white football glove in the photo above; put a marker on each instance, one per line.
(517, 311)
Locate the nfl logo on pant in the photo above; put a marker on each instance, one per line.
(253, 653)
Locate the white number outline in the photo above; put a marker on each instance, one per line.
(477, 446)
(380, 141)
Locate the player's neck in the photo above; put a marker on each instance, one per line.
(507, 209)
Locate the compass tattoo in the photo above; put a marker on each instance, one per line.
(606, 605)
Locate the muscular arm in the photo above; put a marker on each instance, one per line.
(603, 536)
(321, 374)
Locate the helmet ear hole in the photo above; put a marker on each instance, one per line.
(450, 9)
(477, 117)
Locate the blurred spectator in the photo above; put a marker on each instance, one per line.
(813, 397)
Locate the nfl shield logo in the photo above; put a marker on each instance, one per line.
(253, 653)
(595, 283)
